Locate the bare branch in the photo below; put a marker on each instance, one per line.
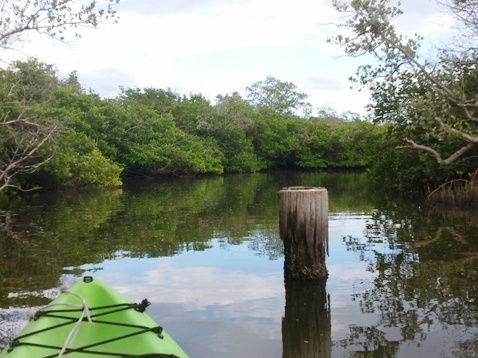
(437, 155)
(25, 160)
(50, 17)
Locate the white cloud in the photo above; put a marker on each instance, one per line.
(215, 47)
(167, 8)
(203, 287)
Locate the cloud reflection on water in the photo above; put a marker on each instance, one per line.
(199, 287)
(237, 309)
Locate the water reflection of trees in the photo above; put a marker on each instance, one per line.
(42, 234)
(369, 342)
(424, 262)
(424, 265)
(39, 239)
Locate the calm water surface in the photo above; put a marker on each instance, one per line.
(207, 253)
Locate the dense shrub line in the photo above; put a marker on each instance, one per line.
(150, 132)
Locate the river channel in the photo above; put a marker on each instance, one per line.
(207, 253)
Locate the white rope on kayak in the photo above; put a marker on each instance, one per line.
(74, 331)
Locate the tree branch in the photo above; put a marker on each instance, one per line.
(23, 160)
(468, 138)
(437, 155)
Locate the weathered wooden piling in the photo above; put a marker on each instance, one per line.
(303, 222)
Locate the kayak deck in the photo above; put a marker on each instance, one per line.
(92, 319)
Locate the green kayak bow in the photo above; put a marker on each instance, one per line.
(90, 319)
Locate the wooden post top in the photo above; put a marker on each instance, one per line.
(303, 188)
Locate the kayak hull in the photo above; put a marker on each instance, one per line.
(92, 319)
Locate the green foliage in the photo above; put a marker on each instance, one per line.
(78, 162)
(25, 91)
(278, 96)
(151, 132)
(100, 120)
(139, 134)
(397, 170)
(429, 102)
(162, 101)
(232, 129)
(411, 170)
(273, 141)
(235, 110)
(154, 145)
(193, 114)
(316, 143)
(80, 147)
(28, 85)
(238, 151)
(218, 134)
(75, 155)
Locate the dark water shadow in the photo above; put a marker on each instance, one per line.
(306, 326)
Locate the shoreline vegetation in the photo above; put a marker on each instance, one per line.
(421, 131)
(87, 140)
(74, 138)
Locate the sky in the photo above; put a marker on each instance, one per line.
(217, 47)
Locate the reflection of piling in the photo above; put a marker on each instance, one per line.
(303, 221)
(306, 326)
